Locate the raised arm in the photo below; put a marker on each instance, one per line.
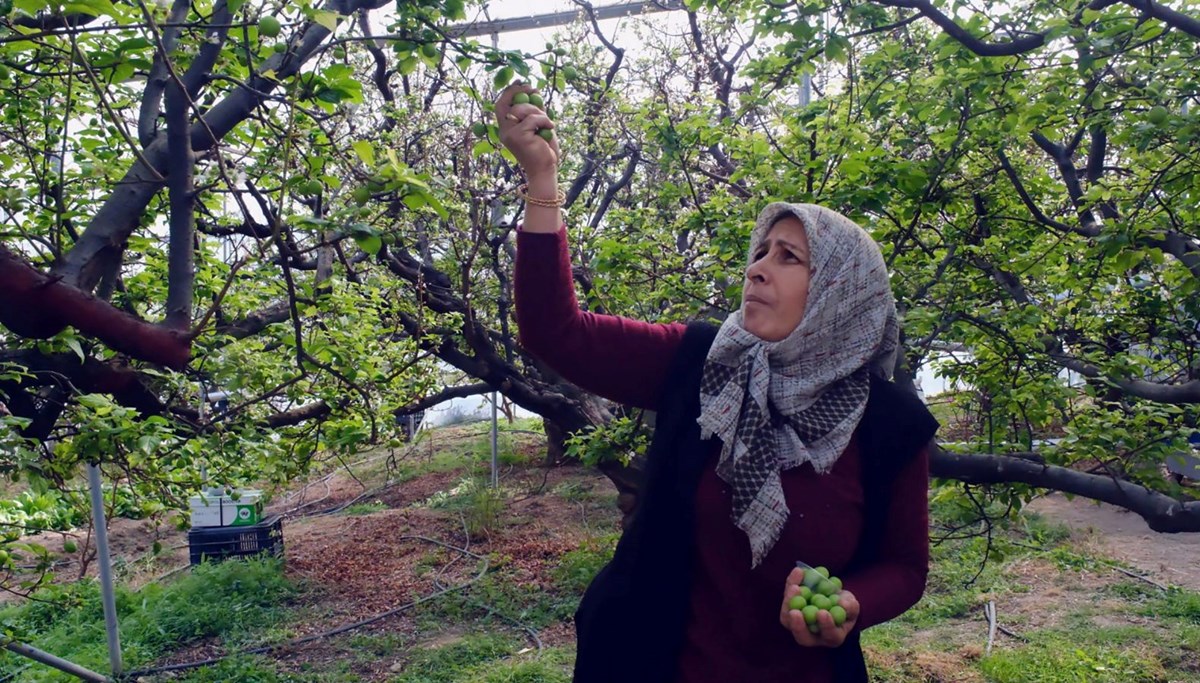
(620, 359)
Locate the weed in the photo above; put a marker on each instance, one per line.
(365, 508)
(578, 567)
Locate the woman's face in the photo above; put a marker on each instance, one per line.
(776, 290)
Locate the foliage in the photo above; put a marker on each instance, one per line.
(621, 440)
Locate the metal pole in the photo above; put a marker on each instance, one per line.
(106, 579)
(805, 90)
(614, 11)
(203, 464)
(495, 461)
(56, 662)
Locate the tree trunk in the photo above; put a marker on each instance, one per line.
(556, 443)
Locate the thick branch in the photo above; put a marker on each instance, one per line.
(180, 185)
(1161, 512)
(1157, 10)
(38, 306)
(1018, 46)
(1033, 40)
(197, 74)
(312, 411)
(156, 82)
(53, 22)
(1031, 205)
(127, 386)
(1186, 393)
(256, 322)
(445, 395)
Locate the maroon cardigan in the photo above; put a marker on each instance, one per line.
(733, 631)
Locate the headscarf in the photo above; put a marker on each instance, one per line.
(778, 405)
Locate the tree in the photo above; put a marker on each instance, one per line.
(306, 218)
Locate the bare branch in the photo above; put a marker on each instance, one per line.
(445, 395)
(180, 179)
(156, 82)
(984, 49)
(1032, 206)
(1163, 513)
(39, 306)
(255, 322)
(311, 411)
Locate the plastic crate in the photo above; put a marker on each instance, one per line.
(218, 543)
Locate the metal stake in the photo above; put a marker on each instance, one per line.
(106, 579)
(495, 461)
(57, 662)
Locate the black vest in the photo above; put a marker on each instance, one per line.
(630, 623)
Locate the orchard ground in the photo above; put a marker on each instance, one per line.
(1082, 593)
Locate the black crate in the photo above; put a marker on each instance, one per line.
(217, 543)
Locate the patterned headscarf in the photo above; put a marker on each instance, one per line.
(778, 405)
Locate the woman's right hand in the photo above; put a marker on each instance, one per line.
(519, 126)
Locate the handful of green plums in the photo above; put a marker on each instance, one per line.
(819, 591)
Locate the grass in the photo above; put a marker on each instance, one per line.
(487, 658)
(1061, 657)
(579, 567)
(232, 601)
(365, 508)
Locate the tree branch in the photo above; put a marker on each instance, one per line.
(1014, 47)
(181, 272)
(255, 322)
(39, 306)
(444, 395)
(1170, 17)
(156, 82)
(1033, 207)
(1161, 512)
(100, 246)
(312, 411)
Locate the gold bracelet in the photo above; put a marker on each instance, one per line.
(560, 197)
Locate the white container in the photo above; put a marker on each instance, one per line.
(215, 508)
(206, 509)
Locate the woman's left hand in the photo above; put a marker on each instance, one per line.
(830, 635)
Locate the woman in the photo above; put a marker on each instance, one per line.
(778, 439)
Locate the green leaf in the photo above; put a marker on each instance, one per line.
(76, 347)
(329, 95)
(327, 19)
(94, 401)
(482, 147)
(837, 47)
(369, 243)
(502, 77)
(365, 151)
